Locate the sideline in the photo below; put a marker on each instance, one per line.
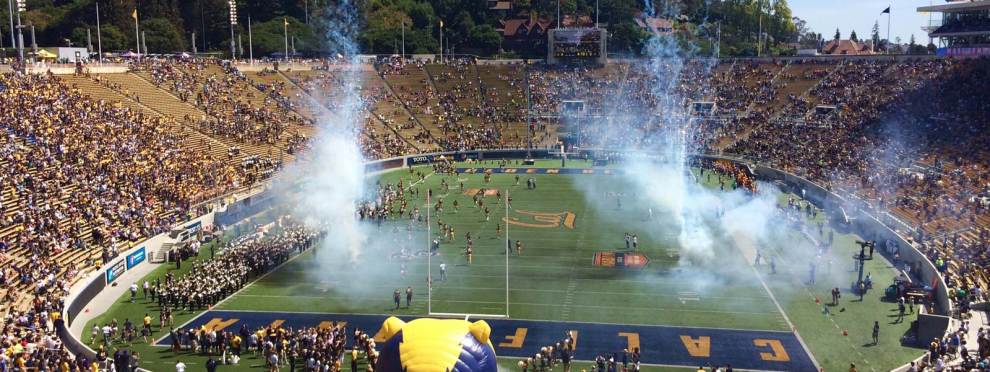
(750, 251)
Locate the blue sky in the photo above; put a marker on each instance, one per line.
(824, 16)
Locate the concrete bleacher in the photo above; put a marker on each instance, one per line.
(412, 89)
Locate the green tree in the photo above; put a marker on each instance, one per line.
(627, 37)
(484, 40)
(852, 36)
(875, 34)
(269, 37)
(838, 35)
(114, 39)
(162, 36)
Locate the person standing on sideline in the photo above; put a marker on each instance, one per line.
(409, 293)
(443, 271)
(876, 332)
(396, 297)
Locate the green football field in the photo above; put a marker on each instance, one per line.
(562, 224)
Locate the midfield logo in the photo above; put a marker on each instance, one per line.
(544, 220)
(632, 260)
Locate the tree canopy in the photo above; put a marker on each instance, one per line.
(469, 25)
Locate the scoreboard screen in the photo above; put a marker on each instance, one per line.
(577, 43)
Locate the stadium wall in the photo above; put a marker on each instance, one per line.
(83, 292)
(864, 223)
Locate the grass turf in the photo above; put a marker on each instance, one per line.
(554, 280)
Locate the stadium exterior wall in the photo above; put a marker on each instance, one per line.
(866, 224)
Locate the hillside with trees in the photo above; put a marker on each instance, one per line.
(470, 26)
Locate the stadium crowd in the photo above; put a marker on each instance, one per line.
(83, 178)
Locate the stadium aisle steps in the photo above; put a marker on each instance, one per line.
(402, 85)
(97, 91)
(171, 105)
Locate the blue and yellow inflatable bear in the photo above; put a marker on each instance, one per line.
(436, 345)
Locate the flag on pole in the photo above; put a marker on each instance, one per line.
(134, 15)
(441, 23)
(887, 11)
(285, 21)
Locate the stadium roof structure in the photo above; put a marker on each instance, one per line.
(963, 24)
(957, 6)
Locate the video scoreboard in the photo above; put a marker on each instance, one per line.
(576, 45)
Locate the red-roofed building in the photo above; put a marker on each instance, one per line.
(848, 48)
(653, 25)
(525, 34)
(504, 5)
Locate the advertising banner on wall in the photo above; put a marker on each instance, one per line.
(115, 271)
(135, 258)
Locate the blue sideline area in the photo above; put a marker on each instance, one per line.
(681, 346)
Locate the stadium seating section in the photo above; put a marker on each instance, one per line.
(91, 164)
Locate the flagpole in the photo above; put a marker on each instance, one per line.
(137, 36)
(888, 28)
(13, 40)
(250, 42)
(285, 24)
(99, 38)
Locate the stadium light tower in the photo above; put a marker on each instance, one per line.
(233, 21)
(10, 7)
(21, 8)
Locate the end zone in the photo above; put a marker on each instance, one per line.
(659, 345)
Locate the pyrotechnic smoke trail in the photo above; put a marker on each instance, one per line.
(666, 64)
(334, 171)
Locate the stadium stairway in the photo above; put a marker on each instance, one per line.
(183, 112)
(503, 86)
(799, 80)
(93, 86)
(194, 139)
(413, 79)
(377, 124)
(458, 84)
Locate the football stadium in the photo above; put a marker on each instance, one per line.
(481, 186)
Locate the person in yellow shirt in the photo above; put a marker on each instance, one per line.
(235, 343)
(21, 362)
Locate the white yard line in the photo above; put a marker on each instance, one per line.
(749, 250)
(543, 304)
